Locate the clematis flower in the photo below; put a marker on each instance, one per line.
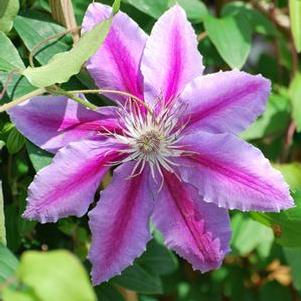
(180, 162)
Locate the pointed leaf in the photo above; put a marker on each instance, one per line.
(9, 56)
(295, 16)
(8, 11)
(231, 36)
(69, 63)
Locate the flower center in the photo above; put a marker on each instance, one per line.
(149, 143)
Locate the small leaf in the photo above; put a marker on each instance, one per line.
(231, 36)
(9, 56)
(107, 292)
(248, 234)
(295, 94)
(158, 259)
(55, 275)
(153, 8)
(286, 225)
(274, 120)
(259, 22)
(38, 157)
(138, 279)
(116, 7)
(196, 10)
(295, 16)
(2, 218)
(8, 11)
(293, 257)
(69, 63)
(15, 141)
(8, 263)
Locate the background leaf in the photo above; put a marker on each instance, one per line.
(295, 17)
(8, 11)
(55, 275)
(231, 36)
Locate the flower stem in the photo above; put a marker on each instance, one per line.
(104, 91)
(70, 94)
(19, 100)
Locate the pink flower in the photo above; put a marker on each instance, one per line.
(181, 164)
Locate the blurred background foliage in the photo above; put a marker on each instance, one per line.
(48, 262)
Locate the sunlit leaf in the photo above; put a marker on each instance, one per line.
(9, 56)
(8, 11)
(231, 36)
(2, 218)
(38, 157)
(66, 64)
(56, 275)
(295, 17)
(295, 94)
(8, 263)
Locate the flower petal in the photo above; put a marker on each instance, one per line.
(120, 223)
(171, 58)
(67, 186)
(224, 101)
(196, 230)
(116, 65)
(52, 122)
(233, 174)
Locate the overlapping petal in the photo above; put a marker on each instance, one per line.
(171, 58)
(224, 101)
(67, 186)
(233, 174)
(51, 122)
(120, 223)
(198, 231)
(116, 65)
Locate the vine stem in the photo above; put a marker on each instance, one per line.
(70, 94)
(19, 100)
(104, 91)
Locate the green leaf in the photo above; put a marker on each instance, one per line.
(158, 259)
(292, 174)
(69, 63)
(2, 218)
(195, 9)
(259, 23)
(295, 94)
(10, 294)
(107, 292)
(293, 257)
(9, 56)
(38, 157)
(116, 6)
(249, 234)
(34, 29)
(153, 8)
(274, 291)
(295, 16)
(8, 11)
(274, 120)
(231, 36)
(15, 141)
(55, 275)
(138, 279)
(8, 263)
(286, 224)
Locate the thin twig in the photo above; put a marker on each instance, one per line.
(21, 99)
(202, 36)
